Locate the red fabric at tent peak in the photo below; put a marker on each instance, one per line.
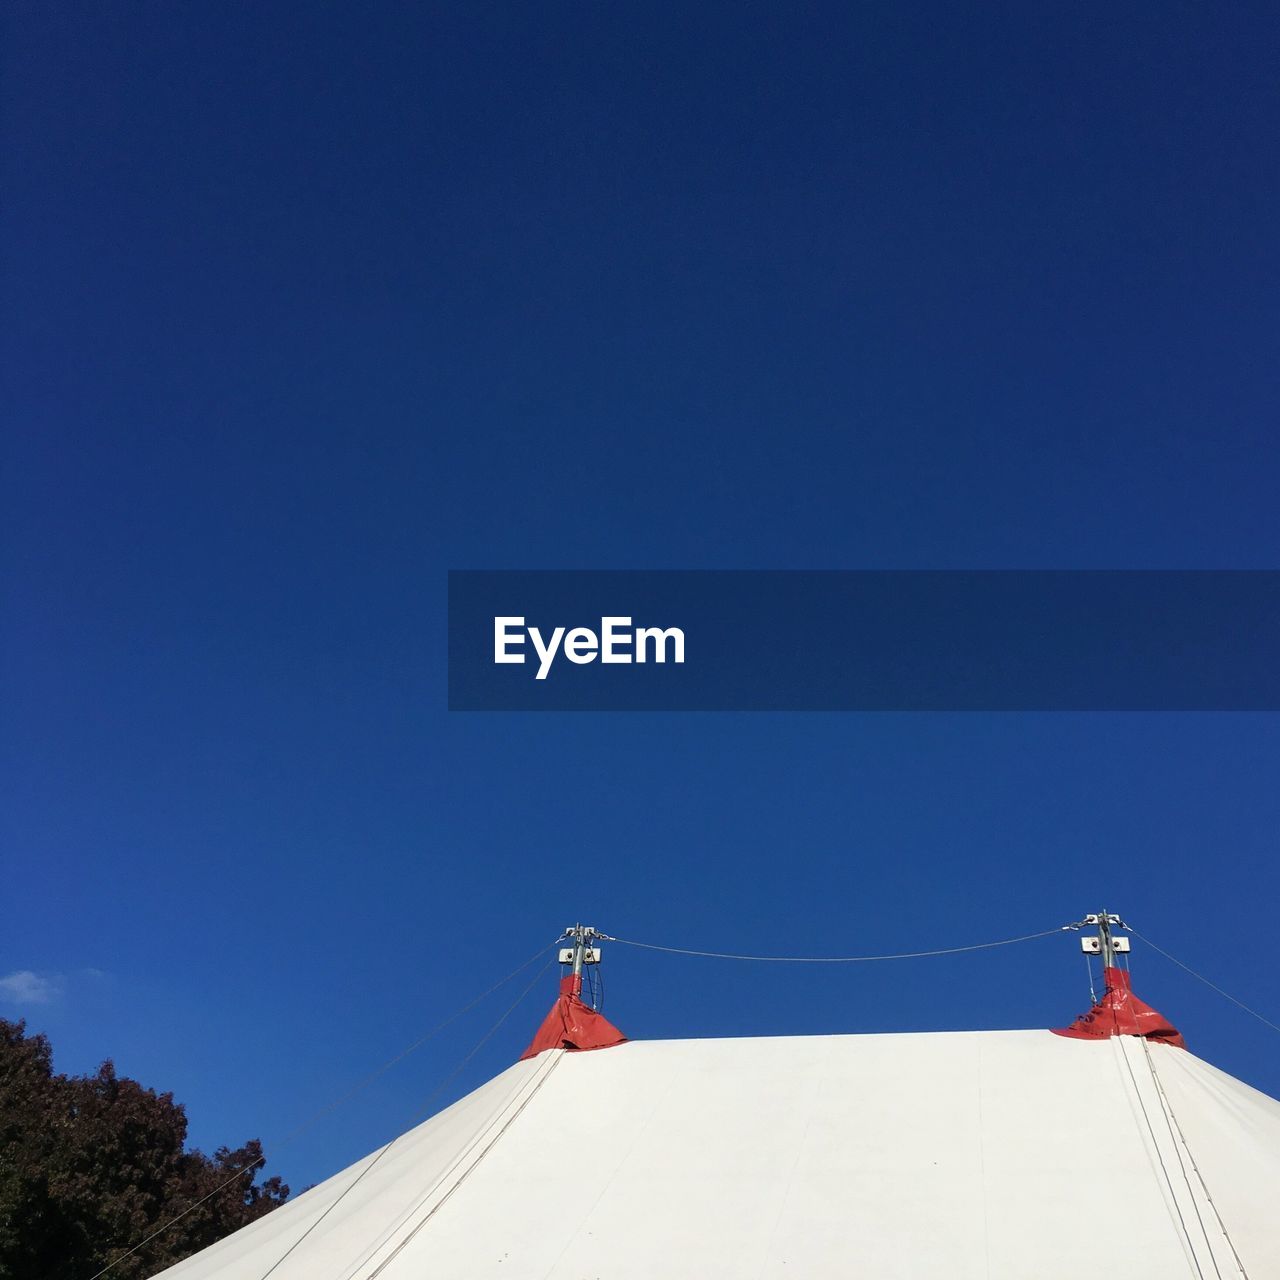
(1121, 1013)
(572, 1024)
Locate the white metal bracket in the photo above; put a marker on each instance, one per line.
(1093, 946)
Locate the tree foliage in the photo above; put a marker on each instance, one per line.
(91, 1165)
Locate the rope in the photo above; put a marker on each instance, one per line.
(1226, 995)
(1177, 1151)
(1180, 1145)
(431, 1213)
(902, 955)
(295, 1134)
(115, 1262)
(1155, 1143)
(1088, 968)
(488, 1035)
(435, 1093)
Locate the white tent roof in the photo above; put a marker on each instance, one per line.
(1000, 1154)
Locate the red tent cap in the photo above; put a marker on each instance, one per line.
(1121, 1013)
(572, 1024)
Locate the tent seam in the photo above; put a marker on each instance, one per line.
(1175, 1132)
(1155, 1143)
(475, 1164)
(391, 1231)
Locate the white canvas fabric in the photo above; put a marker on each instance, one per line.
(1015, 1155)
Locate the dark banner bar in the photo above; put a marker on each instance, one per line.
(864, 641)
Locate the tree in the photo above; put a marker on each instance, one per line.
(92, 1165)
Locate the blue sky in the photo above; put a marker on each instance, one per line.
(308, 307)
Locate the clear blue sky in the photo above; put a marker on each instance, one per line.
(306, 307)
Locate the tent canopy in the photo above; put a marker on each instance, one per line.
(1001, 1154)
